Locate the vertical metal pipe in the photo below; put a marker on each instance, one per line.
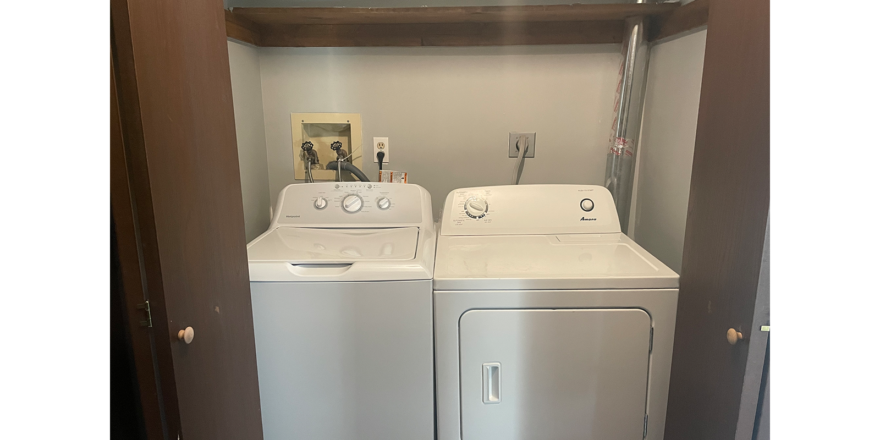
(620, 162)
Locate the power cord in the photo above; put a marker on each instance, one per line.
(519, 158)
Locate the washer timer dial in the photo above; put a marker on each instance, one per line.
(352, 203)
(476, 207)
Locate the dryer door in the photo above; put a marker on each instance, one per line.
(554, 374)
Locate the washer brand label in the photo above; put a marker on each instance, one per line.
(584, 219)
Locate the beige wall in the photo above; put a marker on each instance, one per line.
(250, 132)
(447, 111)
(666, 146)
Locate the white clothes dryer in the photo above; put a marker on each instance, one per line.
(549, 322)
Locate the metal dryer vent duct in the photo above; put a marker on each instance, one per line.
(620, 163)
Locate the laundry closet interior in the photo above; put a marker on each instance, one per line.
(642, 118)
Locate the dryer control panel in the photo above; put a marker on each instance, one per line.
(343, 204)
(530, 210)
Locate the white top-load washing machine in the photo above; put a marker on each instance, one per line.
(341, 291)
(549, 322)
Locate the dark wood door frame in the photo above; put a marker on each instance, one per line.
(725, 229)
(758, 354)
(126, 412)
(177, 211)
(148, 371)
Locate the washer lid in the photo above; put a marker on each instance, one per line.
(303, 245)
(535, 262)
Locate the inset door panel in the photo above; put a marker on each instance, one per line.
(554, 374)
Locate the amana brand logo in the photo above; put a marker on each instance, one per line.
(584, 219)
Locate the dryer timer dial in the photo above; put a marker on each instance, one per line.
(476, 207)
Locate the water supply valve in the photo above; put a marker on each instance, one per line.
(309, 153)
(337, 147)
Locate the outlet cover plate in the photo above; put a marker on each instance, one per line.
(376, 149)
(513, 151)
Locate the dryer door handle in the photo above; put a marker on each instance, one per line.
(492, 382)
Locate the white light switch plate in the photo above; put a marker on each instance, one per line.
(380, 144)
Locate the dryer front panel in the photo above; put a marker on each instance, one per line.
(554, 374)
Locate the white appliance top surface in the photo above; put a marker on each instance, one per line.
(534, 262)
(305, 245)
(528, 237)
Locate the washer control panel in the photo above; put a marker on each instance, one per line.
(340, 203)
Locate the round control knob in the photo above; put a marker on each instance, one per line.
(352, 203)
(320, 203)
(383, 203)
(476, 207)
(587, 205)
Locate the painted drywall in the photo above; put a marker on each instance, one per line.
(447, 111)
(666, 146)
(250, 133)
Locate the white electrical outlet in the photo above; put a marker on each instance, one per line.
(380, 144)
(513, 147)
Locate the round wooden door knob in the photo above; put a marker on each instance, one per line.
(733, 336)
(186, 335)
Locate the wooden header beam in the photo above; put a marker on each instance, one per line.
(448, 26)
